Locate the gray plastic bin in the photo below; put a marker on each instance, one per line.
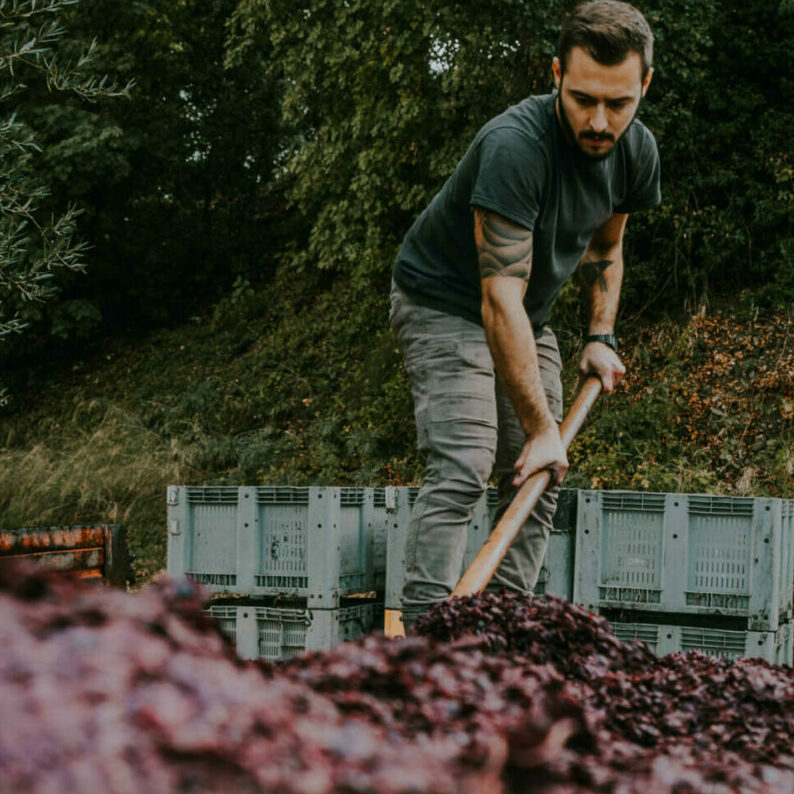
(773, 646)
(274, 633)
(315, 542)
(685, 554)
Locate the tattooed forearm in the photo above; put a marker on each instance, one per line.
(594, 271)
(504, 248)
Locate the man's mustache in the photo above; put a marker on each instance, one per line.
(597, 136)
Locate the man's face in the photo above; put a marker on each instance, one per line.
(596, 102)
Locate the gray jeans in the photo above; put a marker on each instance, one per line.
(467, 427)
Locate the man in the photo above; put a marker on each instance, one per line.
(545, 187)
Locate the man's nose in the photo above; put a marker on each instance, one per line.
(598, 120)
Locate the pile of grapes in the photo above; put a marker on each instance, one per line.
(105, 691)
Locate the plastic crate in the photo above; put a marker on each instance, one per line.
(556, 573)
(381, 520)
(399, 515)
(316, 543)
(773, 646)
(786, 557)
(685, 554)
(274, 633)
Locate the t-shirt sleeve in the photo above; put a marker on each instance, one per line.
(510, 176)
(644, 177)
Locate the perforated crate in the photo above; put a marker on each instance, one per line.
(773, 646)
(381, 523)
(685, 554)
(786, 557)
(273, 633)
(399, 512)
(314, 542)
(556, 573)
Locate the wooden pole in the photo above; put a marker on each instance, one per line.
(484, 565)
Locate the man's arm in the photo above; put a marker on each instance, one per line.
(504, 252)
(601, 272)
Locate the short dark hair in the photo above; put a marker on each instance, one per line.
(608, 30)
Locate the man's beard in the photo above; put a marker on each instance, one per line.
(576, 140)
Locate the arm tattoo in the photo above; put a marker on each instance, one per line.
(594, 271)
(504, 247)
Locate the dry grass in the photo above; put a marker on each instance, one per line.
(102, 466)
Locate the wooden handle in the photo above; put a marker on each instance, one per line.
(484, 565)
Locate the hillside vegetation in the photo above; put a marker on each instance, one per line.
(256, 392)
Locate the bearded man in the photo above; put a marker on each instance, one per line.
(544, 190)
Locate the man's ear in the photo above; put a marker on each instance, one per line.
(556, 70)
(647, 81)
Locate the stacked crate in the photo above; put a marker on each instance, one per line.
(686, 571)
(297, 569)
(290, 569)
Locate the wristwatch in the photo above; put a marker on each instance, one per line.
(610, 340)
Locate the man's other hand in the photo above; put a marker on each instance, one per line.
(543, 451)
(601, 360)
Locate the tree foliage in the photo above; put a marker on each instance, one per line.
(309, 134)
(172, 185)
(34, 242)
(386, 97)
(382, 101)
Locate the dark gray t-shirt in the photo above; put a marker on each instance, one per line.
(521, 166)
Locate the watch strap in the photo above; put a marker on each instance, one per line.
(610, 340)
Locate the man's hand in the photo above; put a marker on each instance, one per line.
(543, 451)
(600, 359)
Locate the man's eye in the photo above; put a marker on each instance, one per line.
(617, 105)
